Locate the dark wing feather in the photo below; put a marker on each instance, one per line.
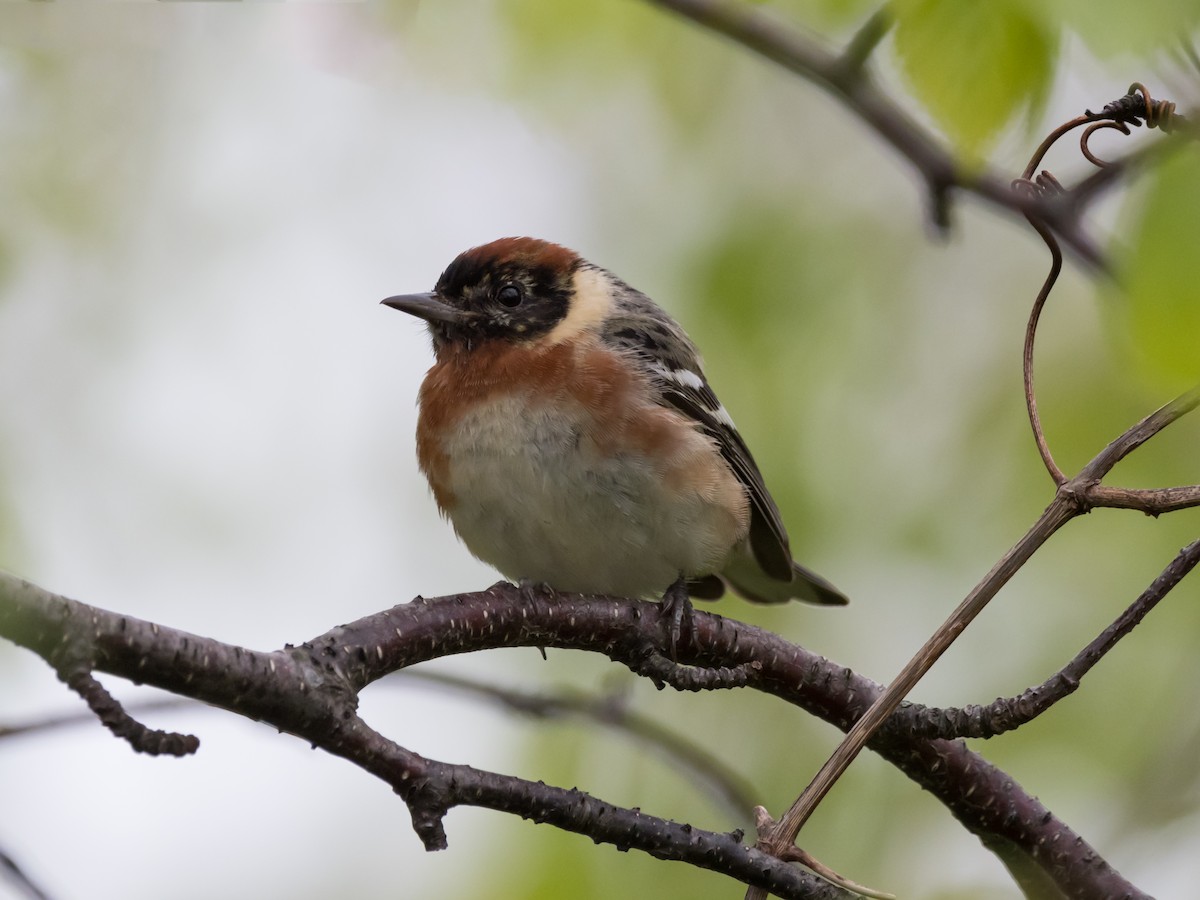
(673, 362)
(768, 539)
(638, 327)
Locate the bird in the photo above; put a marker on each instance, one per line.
(569, 434)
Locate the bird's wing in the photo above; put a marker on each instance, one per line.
(673, 364)
(688, 392)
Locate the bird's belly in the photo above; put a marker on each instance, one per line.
(541, 497)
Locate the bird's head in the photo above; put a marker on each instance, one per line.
(516, 289)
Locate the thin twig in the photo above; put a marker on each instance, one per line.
(113, 715)
(1133, 109)
(71, 719)
(1009, 713)
(864, 41)
(763, 33)
(1035, 314)
(733, 791)
(1151, 501)
(1057, 514)
(1133, 438)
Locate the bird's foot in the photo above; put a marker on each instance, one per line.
(535, 590)
(677, 615)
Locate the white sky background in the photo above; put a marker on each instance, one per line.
(208, 420)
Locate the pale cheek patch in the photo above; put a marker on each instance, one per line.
(589, 308)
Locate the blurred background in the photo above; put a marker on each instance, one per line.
(206, 419)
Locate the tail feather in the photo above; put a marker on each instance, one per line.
(747, 579)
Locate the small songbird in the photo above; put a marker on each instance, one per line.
(569, 434)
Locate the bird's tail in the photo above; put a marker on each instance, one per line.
(746, 578)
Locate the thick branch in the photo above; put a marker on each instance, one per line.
(310, 691)
(432, 788)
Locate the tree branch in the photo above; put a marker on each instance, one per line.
(310, 691)
(1073, 497)
(759, 31)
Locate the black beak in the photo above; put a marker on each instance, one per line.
(429, 307)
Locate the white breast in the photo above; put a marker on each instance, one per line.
(561, 512)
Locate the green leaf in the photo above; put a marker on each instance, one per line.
(974, 65)
(1161, 274)
(1112, 28)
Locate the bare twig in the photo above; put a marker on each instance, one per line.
(763, 33)
(1167, 414)
(1009, 713)
(1035, 315)
(116, 719)
(1151, 501)
(1057, 514)
(1135, 107)
(865, 40)
(806, 859)
(1073, 496)
(67, 720)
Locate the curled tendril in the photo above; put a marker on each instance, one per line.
(1087, 136)
(1042, 185)
(1134, 108)
(1155, 113)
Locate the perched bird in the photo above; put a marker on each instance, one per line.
(569, 435)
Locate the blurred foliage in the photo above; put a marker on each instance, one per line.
(687, 78)
(1161, 272)
(973, 66)
(1129, 31)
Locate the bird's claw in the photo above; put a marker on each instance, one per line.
(677, 614)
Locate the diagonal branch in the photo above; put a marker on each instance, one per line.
(1009, 713)
(847, 77)
(1130, 440)
(1073, 498)
(1060, 511)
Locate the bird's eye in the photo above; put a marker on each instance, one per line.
(509, 295)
